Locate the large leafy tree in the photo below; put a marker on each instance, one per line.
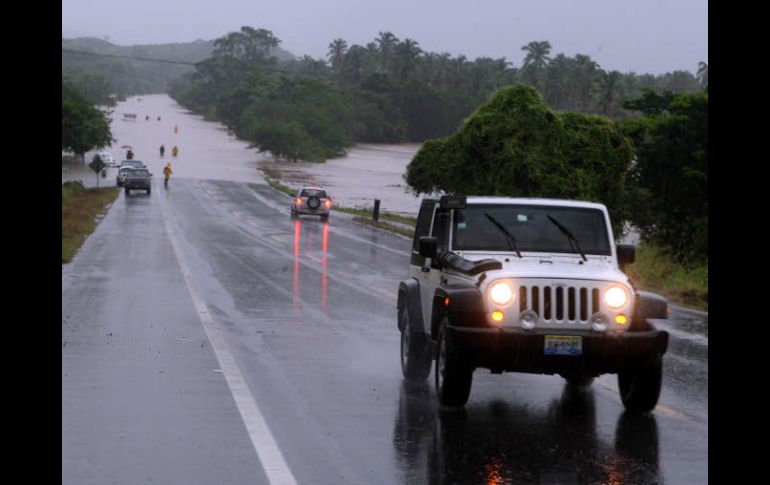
(515, 145)
(83, 127)
(669, 179)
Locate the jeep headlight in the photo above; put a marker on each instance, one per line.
(616, 297)
(501, 293)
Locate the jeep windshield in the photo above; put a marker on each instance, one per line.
(472, 230)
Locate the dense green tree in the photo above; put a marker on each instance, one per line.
(669, 179)
(83, 127)
(515, 145)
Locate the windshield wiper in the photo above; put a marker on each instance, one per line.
(570, 237)
(508, 236)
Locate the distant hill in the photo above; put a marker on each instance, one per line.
(132, 76)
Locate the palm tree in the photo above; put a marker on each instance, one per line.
(337, 49)
(535, 62)
(703, 73)
(406, 56)
(537, 54)
(608, 87)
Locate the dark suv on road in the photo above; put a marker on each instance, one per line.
(138, 179)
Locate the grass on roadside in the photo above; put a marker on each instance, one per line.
(362, 213)
(280, 187)
(655, 271)
(79, 209)
(385, 225)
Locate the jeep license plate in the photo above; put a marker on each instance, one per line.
(563, 345)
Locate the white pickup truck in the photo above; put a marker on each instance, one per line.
(526, 285)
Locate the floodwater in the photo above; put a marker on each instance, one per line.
(367, 172)
(208, 151)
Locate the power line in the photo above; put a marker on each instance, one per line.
(127, 57)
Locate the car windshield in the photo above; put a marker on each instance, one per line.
(139, 173)
(530, 225)
(313, 193)
(132, 163)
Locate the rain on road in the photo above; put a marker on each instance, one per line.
(194, 316)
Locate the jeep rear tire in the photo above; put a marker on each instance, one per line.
(415, 358)
(453, 376)
(640, 388)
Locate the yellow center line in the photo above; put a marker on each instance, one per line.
(659, 408)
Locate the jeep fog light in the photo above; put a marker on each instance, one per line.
(615, 297)
(497, 316)
(528, 319)
(621, 319)
(501, 293)
(599, 322)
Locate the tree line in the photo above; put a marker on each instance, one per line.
(390, 90)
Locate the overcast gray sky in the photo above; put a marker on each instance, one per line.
(645, 36)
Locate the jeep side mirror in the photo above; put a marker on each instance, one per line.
(426, 246)
(626, 254)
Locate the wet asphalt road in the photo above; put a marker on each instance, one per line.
(306, 311)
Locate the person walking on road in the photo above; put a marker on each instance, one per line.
(162, 151)
(166, 174)
(175, 151)
(129, 155)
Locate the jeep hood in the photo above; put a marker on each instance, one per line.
(562, 266)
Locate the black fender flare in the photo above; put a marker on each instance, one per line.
(466, 308)
(649, 305)
(409, 295)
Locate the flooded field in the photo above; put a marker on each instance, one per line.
(368, 172)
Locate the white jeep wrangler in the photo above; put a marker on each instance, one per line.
(526, 285)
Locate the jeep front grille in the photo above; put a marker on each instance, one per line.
(560, 303)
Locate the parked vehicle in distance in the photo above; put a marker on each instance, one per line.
(108, 159)
(526, 285)
(313, 201)
(121, 177)
(138, 179)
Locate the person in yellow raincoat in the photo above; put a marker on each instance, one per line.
(166, 174)
(175, 151)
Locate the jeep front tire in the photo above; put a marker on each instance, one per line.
(453, 376)
(415, 360)
(640, 388)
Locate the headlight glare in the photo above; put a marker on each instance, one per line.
(616, 297)
(501, 293)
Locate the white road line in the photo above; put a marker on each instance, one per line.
(269, 454)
